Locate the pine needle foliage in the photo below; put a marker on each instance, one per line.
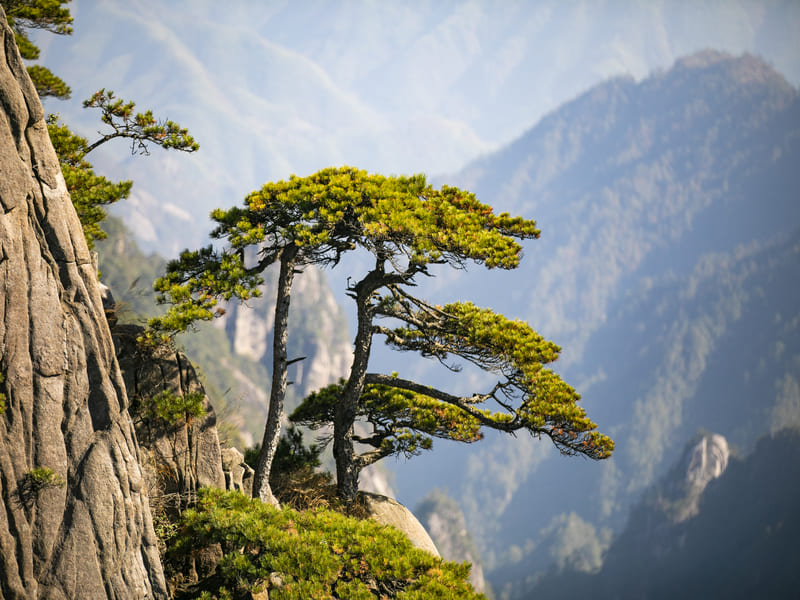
(309, 554)
(48, 15)
(327, 213)
(169, 408)
(402, 422)
(531, 396)
(140, 128)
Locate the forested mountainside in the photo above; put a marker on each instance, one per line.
(668, 272)
(741, 542)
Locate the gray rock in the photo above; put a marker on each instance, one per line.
(386, 511)
(238, 474)
(86, 532)
(176, 459)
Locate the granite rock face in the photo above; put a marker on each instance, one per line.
(74, 515)
(177, 458)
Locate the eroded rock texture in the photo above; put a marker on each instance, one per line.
(74, 518)
(180, 457)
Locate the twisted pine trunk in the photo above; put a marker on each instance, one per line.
(347, 464)
(272, 429)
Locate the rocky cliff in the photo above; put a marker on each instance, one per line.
(178, 455)
(444, 520)
(74, 517)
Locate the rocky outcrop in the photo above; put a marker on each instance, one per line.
(74, 517)
(703, 460)
(386, 511)
(177, 457)
(659, 523)
(318, 330)
(444, 520)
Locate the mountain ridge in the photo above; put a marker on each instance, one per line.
(659, 256)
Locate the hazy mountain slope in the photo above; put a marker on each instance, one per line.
(667, 269)
(718, 350)
(234, 355)
(284, 87)
(634, 178)
(741, 544)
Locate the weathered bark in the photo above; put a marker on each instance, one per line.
(280, 363)
(88, 533)
(347, 465)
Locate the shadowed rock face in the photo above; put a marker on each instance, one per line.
(82, 528)
(176, 459)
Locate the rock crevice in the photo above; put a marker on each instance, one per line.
(74, 516)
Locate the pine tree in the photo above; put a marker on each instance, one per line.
(49, 15)
(407, 226)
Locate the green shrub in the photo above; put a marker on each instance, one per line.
(33, 482)
(42, 477)
(169, 408)
(310, 554)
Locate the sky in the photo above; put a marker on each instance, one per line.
(276, 88)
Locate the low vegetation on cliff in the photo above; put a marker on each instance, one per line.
(305, 554)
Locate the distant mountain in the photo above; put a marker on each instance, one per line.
(444, 521)
(667, 269)
(742, 542)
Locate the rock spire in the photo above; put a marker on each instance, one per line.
(74, 517)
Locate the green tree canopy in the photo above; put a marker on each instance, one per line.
(48, 15)
(407, 226)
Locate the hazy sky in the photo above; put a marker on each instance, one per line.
(275, 88)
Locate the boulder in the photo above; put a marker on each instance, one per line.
(238, 474)
(386, 511)
(74, 520)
